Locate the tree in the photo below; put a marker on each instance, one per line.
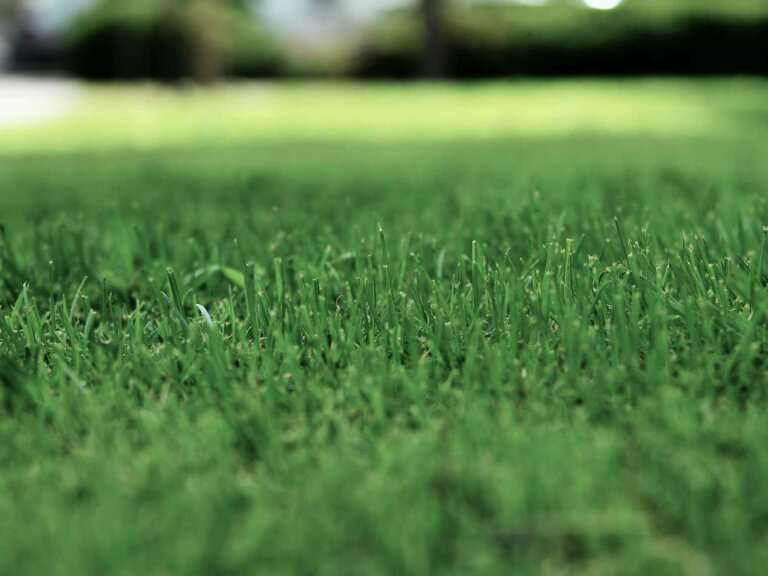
(207, 22)
(206, 29)
(434, 55)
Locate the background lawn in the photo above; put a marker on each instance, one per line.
(552, 356)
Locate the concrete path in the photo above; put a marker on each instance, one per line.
(26, 100)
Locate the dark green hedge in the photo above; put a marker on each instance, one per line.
(145, 39)
(493, 41)
(151, 39)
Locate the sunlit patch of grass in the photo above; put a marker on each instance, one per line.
(151, 117)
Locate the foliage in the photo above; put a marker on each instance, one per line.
(151, 39)
(565, 38)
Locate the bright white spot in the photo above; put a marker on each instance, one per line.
(603, 4)
(25, 101)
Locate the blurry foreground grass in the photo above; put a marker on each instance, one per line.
(552, 357)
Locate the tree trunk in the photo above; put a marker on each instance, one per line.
(206, 38)
(434, 38)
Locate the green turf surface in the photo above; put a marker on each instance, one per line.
(553, 357)
(146, 117)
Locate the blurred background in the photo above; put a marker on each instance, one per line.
(207, 40)
(110, 70)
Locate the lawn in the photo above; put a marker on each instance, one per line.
(328, 329)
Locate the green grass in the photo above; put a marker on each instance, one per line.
(551, 357)
(146, 117)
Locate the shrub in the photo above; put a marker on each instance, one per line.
(157, 40)
(488, 41)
